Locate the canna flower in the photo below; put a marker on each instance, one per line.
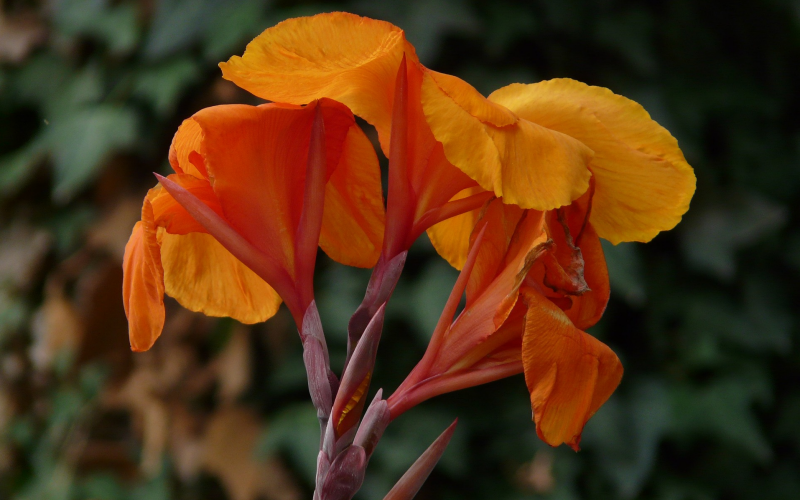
(525, 312)
(536, 146)
(235, 229)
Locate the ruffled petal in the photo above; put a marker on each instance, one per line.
(644, 184)
(569, 373)
(526, 164)
(204, 277)
(345, 57)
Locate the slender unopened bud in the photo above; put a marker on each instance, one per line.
(408, 485)
(316, 361)
(345, 475)
(375, 421)
(350, 398)
(381, 285)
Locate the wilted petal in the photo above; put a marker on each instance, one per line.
(569, 373)
(644, 184)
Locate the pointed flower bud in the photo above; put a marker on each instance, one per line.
(408, 485)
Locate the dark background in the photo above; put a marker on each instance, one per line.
(704, 317)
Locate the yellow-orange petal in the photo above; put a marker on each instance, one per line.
(143, 284)
(345, 57)
(569, 373)
(526, 164)
(204, 277)
(450, 237)
(353, 219)
(644, 184)
(468, 98)
(183, 152)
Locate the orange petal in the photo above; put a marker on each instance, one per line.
(256, 157)
(353, 219)
(569, 373)
(450, 237)
(587, 309)
(525, 163)
(493, 286)
(644, 184)
(183, 151)
(143, 283)
(345, 57)
(204, 277)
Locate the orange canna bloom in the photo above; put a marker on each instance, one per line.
(572, 163)
(525, 312)
(535, 145)
(256, 189)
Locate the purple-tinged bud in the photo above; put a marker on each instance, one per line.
(375, 421)
(381, 285)
(350, 398)
(345, 475)
(316, 361)
(323, 466)
(408, 485)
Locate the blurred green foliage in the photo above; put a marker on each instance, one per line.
(704, 317)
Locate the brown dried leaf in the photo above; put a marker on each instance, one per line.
(22, 249)
(233, 366)
(229, 454)
(537, 475)
(113, 230)
(56, 328)
(19, 35)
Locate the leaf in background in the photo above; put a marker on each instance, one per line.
(116, 25)
(426, 22)
(506, 23)
(723, 409)
(235, 24)
(409, 436)
(162, 85)
(626, 271)
(422, 301)
(177, 24)
(625, 434)
(13, 313)
(295, 431)
(339, 290)
(81, 141)
(630, 34)
(17, 168)
(712, 234)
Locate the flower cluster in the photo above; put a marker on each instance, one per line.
(515, 190)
